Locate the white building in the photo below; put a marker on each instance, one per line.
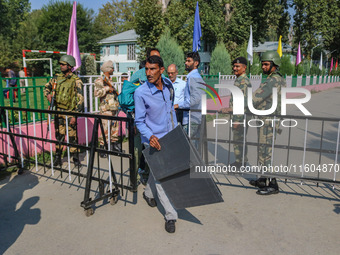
(122, 50)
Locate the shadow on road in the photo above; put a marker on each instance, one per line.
(15, 213)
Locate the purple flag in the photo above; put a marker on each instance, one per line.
(331, 65)
(298, 56)
(72, 47)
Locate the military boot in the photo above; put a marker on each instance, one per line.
(272, 188)
(57, 161)
(57, 158)
(260, 183)
(76, 160)
(116, 146)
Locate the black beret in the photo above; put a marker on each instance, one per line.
(240, 60)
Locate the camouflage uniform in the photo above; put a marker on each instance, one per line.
(262, 100)
(69, 97)
(108, 106)
(242, 82)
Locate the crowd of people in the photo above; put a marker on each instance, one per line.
(159, 104)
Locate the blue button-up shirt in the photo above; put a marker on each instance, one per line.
(179, 86)
(154, 110)
(192, 96)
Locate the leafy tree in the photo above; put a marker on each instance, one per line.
(54, 26)
(238, 25)
(270, 20)
(116, 16)
(12, 14)
(277, 17)
(180, 16)
(170, 51)
(240, 51)
(220, 60)
(315, 22)
(149, 23)
(29, 38)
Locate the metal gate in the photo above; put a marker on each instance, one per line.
(24, 143)
(305, 149)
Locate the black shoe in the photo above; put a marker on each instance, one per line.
(115, 146)
(170, 226)
(76, 161)
(260, 183)
(267, 191)
(102, 154)
(57, 161)
(151, 201)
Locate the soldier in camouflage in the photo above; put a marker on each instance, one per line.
(262, 100)
(68, 97)
(105, 90)
(239, 127)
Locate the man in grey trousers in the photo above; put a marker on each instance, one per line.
(155, 117)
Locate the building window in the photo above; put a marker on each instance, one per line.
(117, 67)
(131, 53)
(131, 69)
(206, 68)
(107, 51)
(116, 49)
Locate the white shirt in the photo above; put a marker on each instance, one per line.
(179, 86)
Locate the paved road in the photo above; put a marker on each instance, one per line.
(41, 214)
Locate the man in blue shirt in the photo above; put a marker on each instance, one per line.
(179, 86)
(155, 117)
(192, 94)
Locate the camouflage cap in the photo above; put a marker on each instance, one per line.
(240, 60)
(107, 66)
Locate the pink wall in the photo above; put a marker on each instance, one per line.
(28, 145)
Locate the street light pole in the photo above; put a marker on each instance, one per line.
(311, 55)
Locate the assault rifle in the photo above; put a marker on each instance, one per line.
(108, 82)
(52, 104)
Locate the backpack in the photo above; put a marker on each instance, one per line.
(125, 98)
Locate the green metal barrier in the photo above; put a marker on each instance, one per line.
(33, 98)
(294, 80)
(303, 82)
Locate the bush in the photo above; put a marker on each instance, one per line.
(88, 65)
(220, 60)
(255, 68)
(170, 51)
(286, 68)
(315, 70)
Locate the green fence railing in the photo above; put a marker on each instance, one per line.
(31, 97)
